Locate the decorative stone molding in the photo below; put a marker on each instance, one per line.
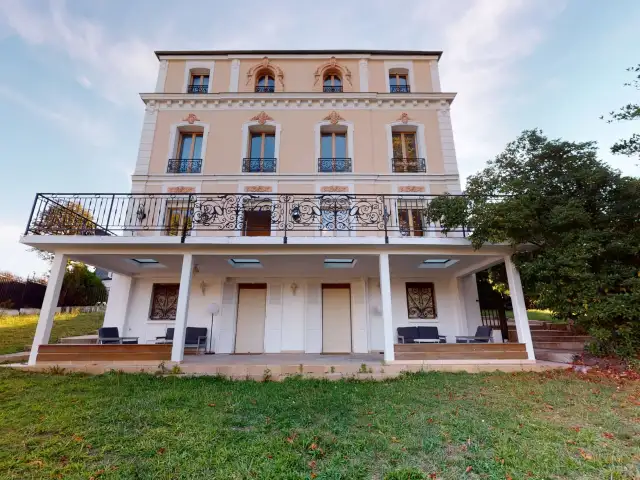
(258, 189)
(266, 64)
(262, 118)
(411, 189)
(334, 117)
(334, 189)
(332, 64)
(404, 118)
(191, 118)
(181, 190)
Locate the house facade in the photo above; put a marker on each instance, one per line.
(280, 200)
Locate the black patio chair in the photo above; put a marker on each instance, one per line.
(194, 337)
(168, 337)
(410, 334)
(483, 335)
(431, 333)
(111, 336)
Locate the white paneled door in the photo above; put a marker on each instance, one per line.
(252, 308)
(336, 318)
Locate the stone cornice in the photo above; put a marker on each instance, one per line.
(293, 100)
(365, 178)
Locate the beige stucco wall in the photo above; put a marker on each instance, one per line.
(299, 74)
(298, 139)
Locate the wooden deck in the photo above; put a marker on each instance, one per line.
(105, 353)
(460, 351)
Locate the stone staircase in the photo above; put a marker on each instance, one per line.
(553, 342)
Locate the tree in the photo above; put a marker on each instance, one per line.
(581, 220)
(631, 111)
(81, 286)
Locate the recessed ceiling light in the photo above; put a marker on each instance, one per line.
(145, 261)
(436, 260)
(437, 263)
(339, 262)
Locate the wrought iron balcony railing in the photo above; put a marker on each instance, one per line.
(408, 165)
(265, 89)
(182, 165)
(334, 165)
(198, 89)
(280, 214)
(332, 89)
(400, 89)
(259, 165)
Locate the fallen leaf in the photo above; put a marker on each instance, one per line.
(36, 463)
(577, 429)
(211, 405)
(314, 475)
(608, 435)
(313, 446)
(394, 440)
(469, 468)
(78, 438)
(312, 464)
(64, 460)
(433, 475)
(584, 454)
(430, 420)
(161, 451)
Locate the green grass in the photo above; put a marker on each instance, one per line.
(17, 332)
(542, 315)
(122, 426)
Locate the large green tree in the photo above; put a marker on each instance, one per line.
(628, 146)
(581, 220)
(81, 287)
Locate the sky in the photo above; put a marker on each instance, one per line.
(72, 71)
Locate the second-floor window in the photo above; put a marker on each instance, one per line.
(188, 155)
(199, 83)
(405, 153)
(265, 84)
(333, 153)
(262, 153)
(398, 83)
(332, 84)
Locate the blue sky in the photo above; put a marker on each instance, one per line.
(70, 114)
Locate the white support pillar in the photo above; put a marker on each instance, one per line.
(387, 318)
(519, 307)
(182, 309)
(118, 303)
(49, 305)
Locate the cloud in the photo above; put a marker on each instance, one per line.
(15, 257)
(73, 121)
(84, 81)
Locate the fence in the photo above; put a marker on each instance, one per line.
(16, 295)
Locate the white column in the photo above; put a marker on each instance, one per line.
(387, 319)
(49, 304)
(182, 309)
(235, 75)
(519, 307)
(119, 294)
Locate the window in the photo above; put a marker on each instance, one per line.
(198, 83)
(265, 84)
(262, 152)
(398, 83)
(188, 155)
(405, 153)
(421, 301)
(411, 218)
(332, 83)
(176, 217)
(333, 152)
(164, 300)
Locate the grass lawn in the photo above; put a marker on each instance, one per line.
(17, 332)
(433, 425)
(542, 315)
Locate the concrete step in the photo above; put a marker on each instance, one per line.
(556, 355)
(578, 346)
(80, 340)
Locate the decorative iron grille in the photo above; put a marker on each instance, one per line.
(421, 303)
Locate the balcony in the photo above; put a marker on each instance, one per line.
(408, 165)
(181, 165)
(332, 89)
(259, 165)
(198, 89)
(265, 89)
(334, 165)
(131, 214)
(400, 89)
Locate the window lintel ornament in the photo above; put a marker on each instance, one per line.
(334, 117)
(334, 189)
(265, 64)
(332, 64)
(411, 189)
(258, 189)
(191, 118)
(262, 118)
(181, 190)
(404, 118)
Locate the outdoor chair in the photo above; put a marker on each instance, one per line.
(420, 335)
(111, 336)
(483, 335)
(194, 337)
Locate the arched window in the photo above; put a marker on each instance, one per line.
(265, 83)
(332, 83)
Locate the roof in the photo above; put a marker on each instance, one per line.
(425, 53)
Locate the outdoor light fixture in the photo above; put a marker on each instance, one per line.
(140, 213)
(294, 288)
(295, 214)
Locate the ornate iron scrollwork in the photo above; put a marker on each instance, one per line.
(421, 302)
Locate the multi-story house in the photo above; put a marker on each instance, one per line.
(280, 200)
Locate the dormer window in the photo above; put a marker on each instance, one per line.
(332, 83)
(266, 83)
(198, 83)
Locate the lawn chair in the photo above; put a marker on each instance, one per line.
(483, 335)
(111, 336)
(194, 337)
